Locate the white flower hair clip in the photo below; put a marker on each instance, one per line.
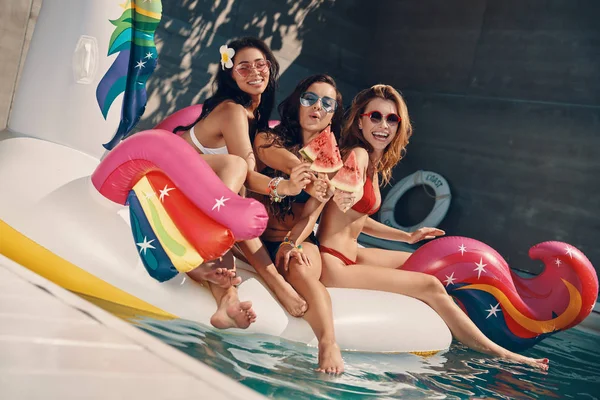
(226, 56)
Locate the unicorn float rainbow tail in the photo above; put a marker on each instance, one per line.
(512, 311)
(181, 213)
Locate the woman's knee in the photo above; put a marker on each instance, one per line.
(432, 288)
(233, 170)
(301, 271)
(236, 163)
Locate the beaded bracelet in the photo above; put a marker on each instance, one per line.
(287, 240)
(272, 190)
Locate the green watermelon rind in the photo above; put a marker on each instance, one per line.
(308, 154)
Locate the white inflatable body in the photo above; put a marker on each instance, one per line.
(48, 198)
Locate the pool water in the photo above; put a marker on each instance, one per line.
(281, 369)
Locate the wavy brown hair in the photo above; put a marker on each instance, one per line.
(353, 137)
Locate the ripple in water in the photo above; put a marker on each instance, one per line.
(281, 369)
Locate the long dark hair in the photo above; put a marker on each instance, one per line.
(288, 134)
(225, 88)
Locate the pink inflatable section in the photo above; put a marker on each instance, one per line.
(513, 311)
(159, 150)
(187, 116)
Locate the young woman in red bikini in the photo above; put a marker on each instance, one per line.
(377, 131)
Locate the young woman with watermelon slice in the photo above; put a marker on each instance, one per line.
(374, 139)
(308, 118)
(222, 134)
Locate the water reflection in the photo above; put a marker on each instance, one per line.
(285, 370)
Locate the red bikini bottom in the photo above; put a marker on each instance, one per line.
(336, 254)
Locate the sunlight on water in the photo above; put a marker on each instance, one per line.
(285, 370)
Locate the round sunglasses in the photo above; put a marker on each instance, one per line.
(307, 99)
(376, 117)
(244, 69)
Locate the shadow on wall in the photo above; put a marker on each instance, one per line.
(192, 31)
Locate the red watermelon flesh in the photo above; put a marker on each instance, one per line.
(312, 149)
(348, 178)
(329, 158)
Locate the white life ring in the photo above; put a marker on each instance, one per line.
(428, 178)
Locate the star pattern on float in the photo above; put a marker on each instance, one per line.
(219, 203)
(480, 268)
(493, 310)
(449, 279)
(140, 64)
(145, 245)
(569, 251)
(165, 192)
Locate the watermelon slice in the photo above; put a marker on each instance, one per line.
(348, 178)
(329, 158)
(312, 149)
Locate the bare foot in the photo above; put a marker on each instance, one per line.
(220, 271)
(222, 277)
(330, 358)
(539, 363)
(233, 314)
(288, 297)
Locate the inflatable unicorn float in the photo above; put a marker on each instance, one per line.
(124, 226)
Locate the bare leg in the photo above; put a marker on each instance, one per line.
(220, 274)
(231, 313)
(385, 258)
(305, 279)
(220, 271)
(258, 257)
(425, 288)
(232, 170)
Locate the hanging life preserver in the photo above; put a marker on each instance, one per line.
(430, 179)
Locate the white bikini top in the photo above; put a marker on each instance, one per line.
(206, 150)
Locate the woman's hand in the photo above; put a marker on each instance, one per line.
(286, 253)
(299, 177)
(423, 234)
(323, 188)
(344, 200)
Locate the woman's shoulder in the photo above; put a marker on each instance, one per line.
(360, 153)
(230, 109)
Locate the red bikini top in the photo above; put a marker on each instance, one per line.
(368, 201)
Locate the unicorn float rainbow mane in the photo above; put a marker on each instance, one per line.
(133, 40)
